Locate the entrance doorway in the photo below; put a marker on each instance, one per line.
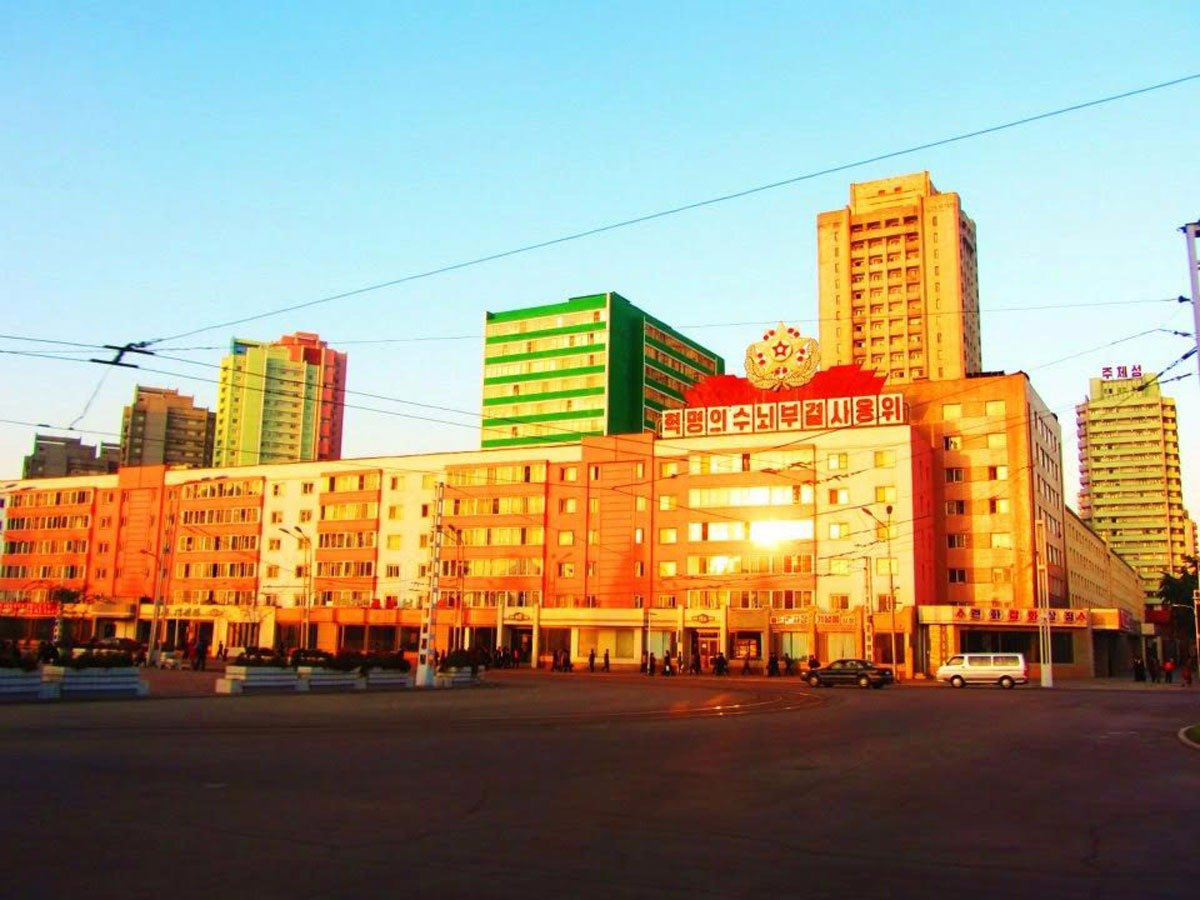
(706, 645)
(520, 641)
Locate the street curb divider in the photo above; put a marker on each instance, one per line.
(1184, 739)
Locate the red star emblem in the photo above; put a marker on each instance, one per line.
(780, 350)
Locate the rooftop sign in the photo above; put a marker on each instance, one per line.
(785, 415)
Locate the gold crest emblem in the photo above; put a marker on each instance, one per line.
(783, 358)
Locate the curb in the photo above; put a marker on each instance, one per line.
(1184, 739)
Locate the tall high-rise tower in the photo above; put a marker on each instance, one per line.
(280, 402)
(899, 288)
(1129, 475)
(163, 427)
(592, 365)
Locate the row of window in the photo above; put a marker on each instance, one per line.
(208, 490)
(49, 498)
(48, 523)
(238, 515)
(216, 570)
(546, 364)
(44, 572)
(45, 547)
(531, 474)
(542, 323)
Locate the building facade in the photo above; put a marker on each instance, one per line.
(1131, 491)
(590, 366)
(54, 457)
(757, 523)
(162, 427)
(280, 402)
(898, 282)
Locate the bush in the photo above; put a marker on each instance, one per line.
(317, 658)
(460, 659)
(24, 663)
(97, 659)
(346, 661)
(258, 657)
(388, 662)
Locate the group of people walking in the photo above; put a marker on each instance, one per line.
(1154, 671)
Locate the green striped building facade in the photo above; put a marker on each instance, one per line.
(591, 365)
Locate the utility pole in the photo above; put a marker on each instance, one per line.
(1042, 586)
(1191, 232)
(425, 667)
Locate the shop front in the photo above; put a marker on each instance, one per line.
(1116, 642)
(947, 630)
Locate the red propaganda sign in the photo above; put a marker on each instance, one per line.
(27, 609)
(1158, 615)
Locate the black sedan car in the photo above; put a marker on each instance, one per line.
(850, 671)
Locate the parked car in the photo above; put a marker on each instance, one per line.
(850, 671)
(1004, 669)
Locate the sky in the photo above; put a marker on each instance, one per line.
(169, 166)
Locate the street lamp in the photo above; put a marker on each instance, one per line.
(305, 543)
(887, 528)
(152, 650)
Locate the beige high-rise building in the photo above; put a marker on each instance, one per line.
(1130, 490)
(163, 427)
(899, 287)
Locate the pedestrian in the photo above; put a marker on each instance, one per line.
(1169, 671)
(606, 659)
(1139, 669)
(200, 663)
(1186, 671)
(695, 663)
(813, 662)
(220, 650)
(746, 662)
(788, 664)
(592, 660)
(650, 665)
(773, 666)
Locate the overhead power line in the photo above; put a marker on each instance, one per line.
(687, 207)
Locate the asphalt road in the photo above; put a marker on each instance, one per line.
(549, 786)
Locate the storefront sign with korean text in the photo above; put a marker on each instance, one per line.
(786, 415)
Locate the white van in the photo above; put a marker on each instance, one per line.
(1004, 669)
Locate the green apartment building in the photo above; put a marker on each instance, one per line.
(1130, 491)
(592, 365)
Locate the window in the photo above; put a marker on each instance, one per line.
(835, 461)
(392, 570)
(838, 530)
(956, 541)
(568, 473)
(885, 459)
(594, 506)
(566, 538)
(639, 568)
(395, 512)
(997, 440)
(839, 601)
(885, 494)
(276, 517)
(668, 501)
(639, 470)
(1002, 575)
(839, 497)
(424, 510)
(1001, 540)
(272, 571)
(998, 505)
(958, 576)
(952, 442)
(567, 505)
(887, 565)
(951, 411)
(395, 482)
(669, 469)
(640, 504)
(276, 490)
(639, 535)
(306, 487)
(668, 567)
(839, 567)
(566, 570)
(668, 535)
(998, 473)
(306, 515)
(954, 474)
(274, 543)
(994, 408)
(956, 507)
(593, 473)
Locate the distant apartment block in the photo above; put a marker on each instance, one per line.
(899, 284)
(1129, 474)
(55, 457)
(280, 401)
(162, 427)
(594, 365)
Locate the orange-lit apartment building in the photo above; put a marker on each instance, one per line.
(717, 536)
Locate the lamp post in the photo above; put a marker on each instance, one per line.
(305, 543)
(152, 649)
(1042, 586)
(887, 528)
(456, 641)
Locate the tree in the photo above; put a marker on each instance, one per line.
(1177, 593)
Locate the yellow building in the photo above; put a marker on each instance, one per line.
(899, 288)
(1101, 581)
(1129, 474)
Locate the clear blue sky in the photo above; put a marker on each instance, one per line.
(169, 166)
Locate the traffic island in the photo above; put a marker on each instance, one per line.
(1190, 736)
